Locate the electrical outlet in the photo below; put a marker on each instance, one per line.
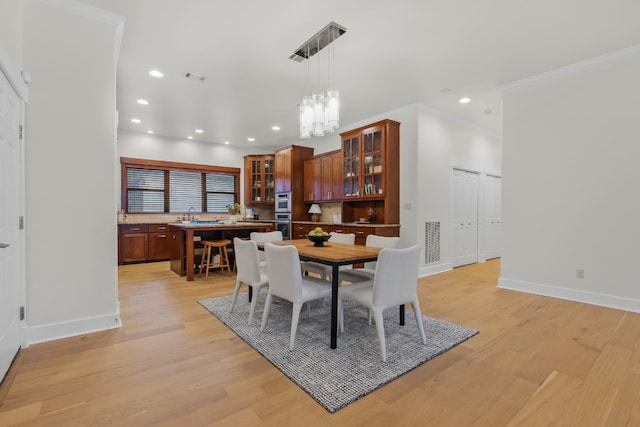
(580, 273)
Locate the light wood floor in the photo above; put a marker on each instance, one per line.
(537, 361)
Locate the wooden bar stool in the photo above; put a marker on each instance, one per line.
(209, 258)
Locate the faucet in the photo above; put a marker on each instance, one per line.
(192, 216)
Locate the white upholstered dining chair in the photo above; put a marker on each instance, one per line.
(394, 283)
(265, 236)
(248, 272)
(286, 281)
(324, 271)
(355, 275)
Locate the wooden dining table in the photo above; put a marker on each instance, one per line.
(334, 255)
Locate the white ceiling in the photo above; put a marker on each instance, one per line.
(393, 54)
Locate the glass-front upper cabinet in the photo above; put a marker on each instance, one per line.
(371, 173)
(373, 155)
(269, 180)
(363, 157)
(351, 166)
(259, 180)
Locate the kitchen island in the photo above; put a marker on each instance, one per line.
(184, 235)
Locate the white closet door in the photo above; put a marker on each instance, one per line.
(465, 186)
(10, 240)
(492, 215)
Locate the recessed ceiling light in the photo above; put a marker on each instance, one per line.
(226, 142)
(143, 102)
(464, 100)
(149, 131)
(189, 137)
(199, 131)
(275, 127)
(251, 139)
(156, 73)
(136, 121)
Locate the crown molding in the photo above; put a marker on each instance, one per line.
(591, 62)
(91, 12)
(429, 109)
(86, 11)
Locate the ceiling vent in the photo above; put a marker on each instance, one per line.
(318, 41)
(194, 76)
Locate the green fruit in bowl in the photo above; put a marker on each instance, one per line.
(318, 231)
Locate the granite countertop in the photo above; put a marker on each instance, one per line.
(134, 220)
(210, 224)
(346, 224)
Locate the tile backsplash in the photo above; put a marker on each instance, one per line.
(263, 213)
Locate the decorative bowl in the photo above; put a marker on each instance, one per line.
(318, 240)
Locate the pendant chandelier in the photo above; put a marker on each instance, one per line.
(320, 112)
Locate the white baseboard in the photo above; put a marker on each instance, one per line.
(604, 300)
(434, 269)
(56, 331)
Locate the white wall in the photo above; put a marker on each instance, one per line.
(71, 254)
(11, 30)
(569, 199)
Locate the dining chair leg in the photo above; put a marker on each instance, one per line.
(377, 316)
(418, 315)
(267, 308)
(236, 291)
(254, 302)
(295, 317)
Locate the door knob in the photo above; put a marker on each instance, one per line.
(4, 245)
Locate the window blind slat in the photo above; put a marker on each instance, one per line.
(185, 191)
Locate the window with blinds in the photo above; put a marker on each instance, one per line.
(168, 187)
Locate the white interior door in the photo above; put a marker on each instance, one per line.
(10, 235)
(492, 215)
(464, 221)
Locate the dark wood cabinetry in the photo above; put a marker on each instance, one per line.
(301, 229)
(132, 243)
(259, 180)
(158, 242)
(142, 243)
(371, 172)
(323, 177)
(289, 171)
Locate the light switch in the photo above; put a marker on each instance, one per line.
(407, 206)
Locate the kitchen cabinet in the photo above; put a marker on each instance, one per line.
(371, 169)
(132, 243)
(158, 242)
(323, 177)
(259, 180)
(142, 243)
(289, 176)
(300, 230)
(283, 170)
(311, 176)
(331, 178)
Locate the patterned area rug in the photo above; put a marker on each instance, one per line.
(336, 378)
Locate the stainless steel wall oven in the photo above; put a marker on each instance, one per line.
(283, 224)
(283, 202)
